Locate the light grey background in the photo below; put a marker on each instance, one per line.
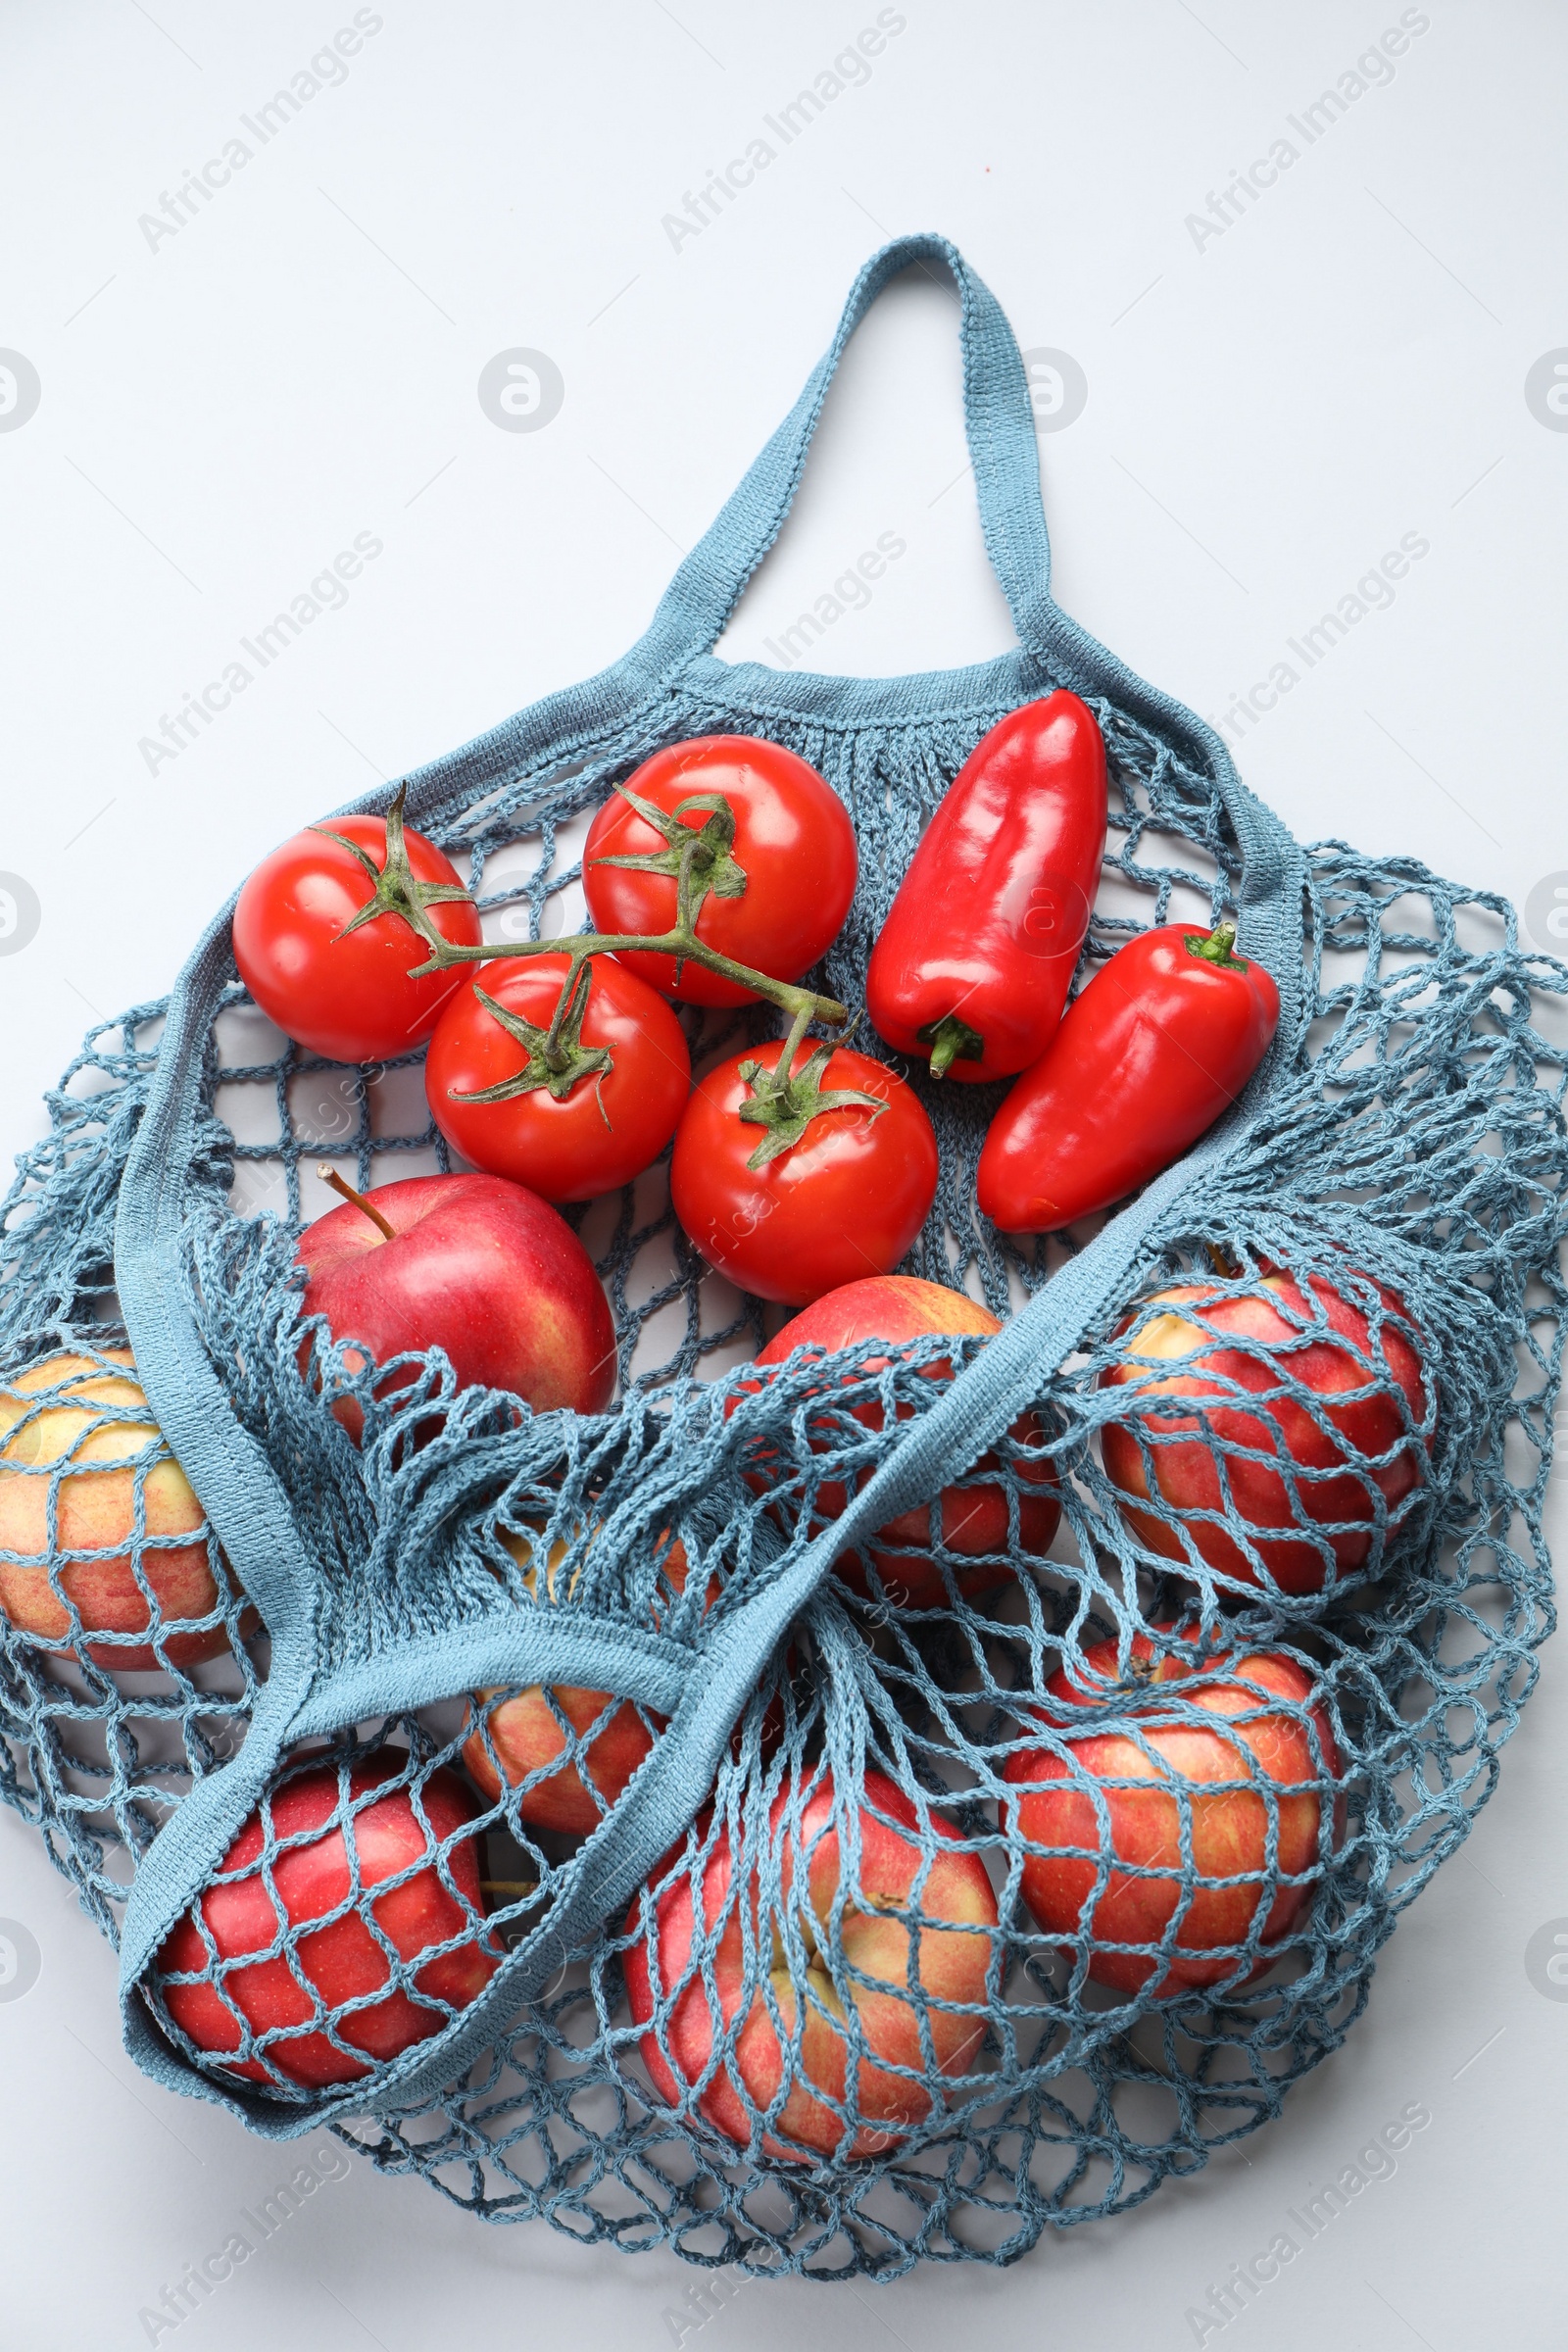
(1269, 410)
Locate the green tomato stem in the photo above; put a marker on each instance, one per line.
(680, 942)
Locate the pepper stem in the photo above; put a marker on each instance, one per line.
(342, 1187)
(951, 1040)
(1218, 948)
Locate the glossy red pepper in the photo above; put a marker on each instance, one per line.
(977, 955)
(1159, 1044)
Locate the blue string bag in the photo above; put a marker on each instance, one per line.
(823, 1833)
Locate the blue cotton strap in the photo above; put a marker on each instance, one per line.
(998, 422)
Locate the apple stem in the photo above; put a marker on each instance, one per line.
(1219, 947)
(346, 1190)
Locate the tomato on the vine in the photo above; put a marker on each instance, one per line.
(571, 1115)
(773, 894)
(322, 947)
(845, 1177)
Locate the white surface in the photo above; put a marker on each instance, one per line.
(1267, 416)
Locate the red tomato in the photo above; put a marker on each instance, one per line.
(845, 1200)
(794, 844)
(346, 993)
(612, 1117)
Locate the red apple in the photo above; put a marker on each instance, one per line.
(1228, 1826)
(525, 1736)
(95, 1516)
(948, 1949)
(974, 1519)
(1329, 1363)
(343, 1961)
(476, 1265)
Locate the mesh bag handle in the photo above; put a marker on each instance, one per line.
(999, 429)
(998, 425)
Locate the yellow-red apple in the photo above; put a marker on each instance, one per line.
(898, 1307)
(526, 1736)
(1269, 1753)
(941, 1937)
(1337, 1478)
(96, 1516)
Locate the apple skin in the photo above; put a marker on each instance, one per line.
(896, 1308)
(344, 1960)
(526, 1736)
(1187, 1473)
(952, 1965)
(480, 1267)
(525, 1731)
(1229, 1827)
(96, 1513)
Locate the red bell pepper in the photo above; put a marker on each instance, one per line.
(1161, 1039)
(975, 959)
